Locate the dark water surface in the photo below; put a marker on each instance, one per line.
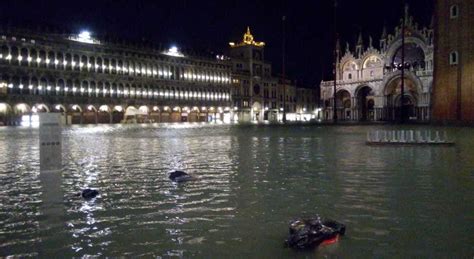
(251, 180)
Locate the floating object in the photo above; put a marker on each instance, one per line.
(407, 137)
(310, 233)
(88, 194)
(180, 176)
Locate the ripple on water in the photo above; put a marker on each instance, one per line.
(249, 182)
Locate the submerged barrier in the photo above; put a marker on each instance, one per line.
(382, 137)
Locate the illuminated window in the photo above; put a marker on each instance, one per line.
(453, 58)
(454, 11)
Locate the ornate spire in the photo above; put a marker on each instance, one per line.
(247, 40)
(360, 45)
(348, 49)
(370, 42)
(384, 32)
(360, 40)
(248, 37)
(407, 15)
(338, 46)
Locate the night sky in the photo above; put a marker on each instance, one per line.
(210, 25)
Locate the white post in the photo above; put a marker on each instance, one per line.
(419, 137)
(385, 137)
(402, 136)
(52, 208)
(50, 141)
(412, 137)
(428, 136)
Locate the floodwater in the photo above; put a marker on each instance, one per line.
(413, 201)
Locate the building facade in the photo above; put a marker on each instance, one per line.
(453, 93)
(92, 81)
(89, 81)
(258, 95)
(368, 79)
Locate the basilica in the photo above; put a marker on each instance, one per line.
(368, 78)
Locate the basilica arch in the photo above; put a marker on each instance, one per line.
(365, 103)
(415, 51)
(343, 104)
(392, 94)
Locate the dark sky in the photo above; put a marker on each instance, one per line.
(210, 25)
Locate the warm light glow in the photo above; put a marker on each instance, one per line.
(104, 108)
(22, 107)
(247, 40)
(3, 107)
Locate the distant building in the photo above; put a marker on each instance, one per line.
(368, 79)
(89, 80)
(453, 91)
(260, 96)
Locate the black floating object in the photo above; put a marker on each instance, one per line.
(179, 176)
(310, 233)
(89, 194)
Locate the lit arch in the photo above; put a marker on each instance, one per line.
(104, 108)
(76, 108)
(350, 65)
(372, 61)
(21, 108)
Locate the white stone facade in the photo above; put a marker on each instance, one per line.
(368, 85)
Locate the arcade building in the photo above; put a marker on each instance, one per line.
(368, 79)
(90, 81)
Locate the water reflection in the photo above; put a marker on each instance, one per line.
(250, 181)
